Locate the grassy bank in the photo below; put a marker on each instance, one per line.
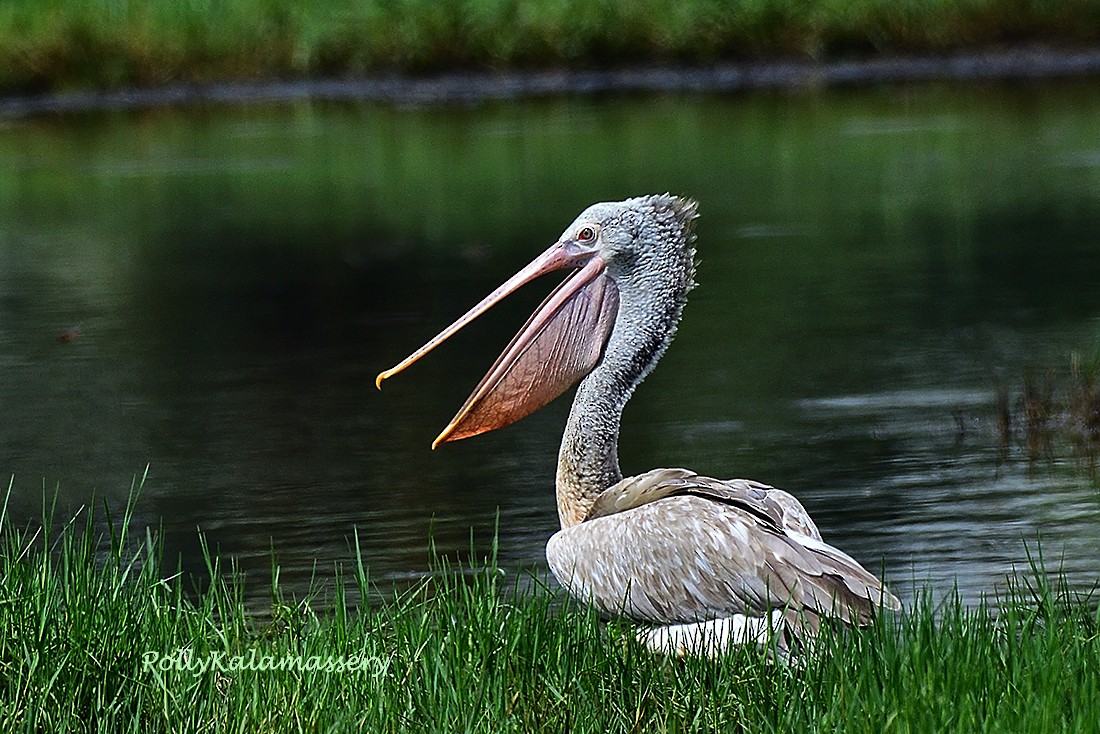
(93, 632)
(55, 44)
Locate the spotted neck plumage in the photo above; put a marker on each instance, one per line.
(652, 280)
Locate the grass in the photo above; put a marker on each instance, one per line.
(54, 44)
(84, 613)
(1054, 410)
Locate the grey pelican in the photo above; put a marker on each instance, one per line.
(702, 563)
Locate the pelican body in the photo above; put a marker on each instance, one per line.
(705, 563)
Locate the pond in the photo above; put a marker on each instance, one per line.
(210, 291)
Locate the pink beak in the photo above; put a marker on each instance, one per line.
(558, 345)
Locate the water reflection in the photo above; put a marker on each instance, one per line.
(872, 263)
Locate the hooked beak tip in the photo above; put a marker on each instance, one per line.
(382, 376)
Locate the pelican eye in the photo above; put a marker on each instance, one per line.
(586, 234)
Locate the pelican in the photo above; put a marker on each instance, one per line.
(701, 563)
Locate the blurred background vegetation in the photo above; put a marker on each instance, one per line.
(48, 45)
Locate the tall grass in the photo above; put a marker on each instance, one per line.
(83, 610)
(49, 44)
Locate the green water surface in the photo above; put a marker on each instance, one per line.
(210, 291)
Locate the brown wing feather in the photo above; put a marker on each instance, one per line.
(673, 547)
(776, 505)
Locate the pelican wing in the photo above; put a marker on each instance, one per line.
(776, 506)
(673, 547)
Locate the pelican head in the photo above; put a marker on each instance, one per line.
(630, 260)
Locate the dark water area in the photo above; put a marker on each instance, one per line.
(210, 293)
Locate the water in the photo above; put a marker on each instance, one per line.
(210, 291)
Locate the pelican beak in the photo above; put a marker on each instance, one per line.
(561, 342)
